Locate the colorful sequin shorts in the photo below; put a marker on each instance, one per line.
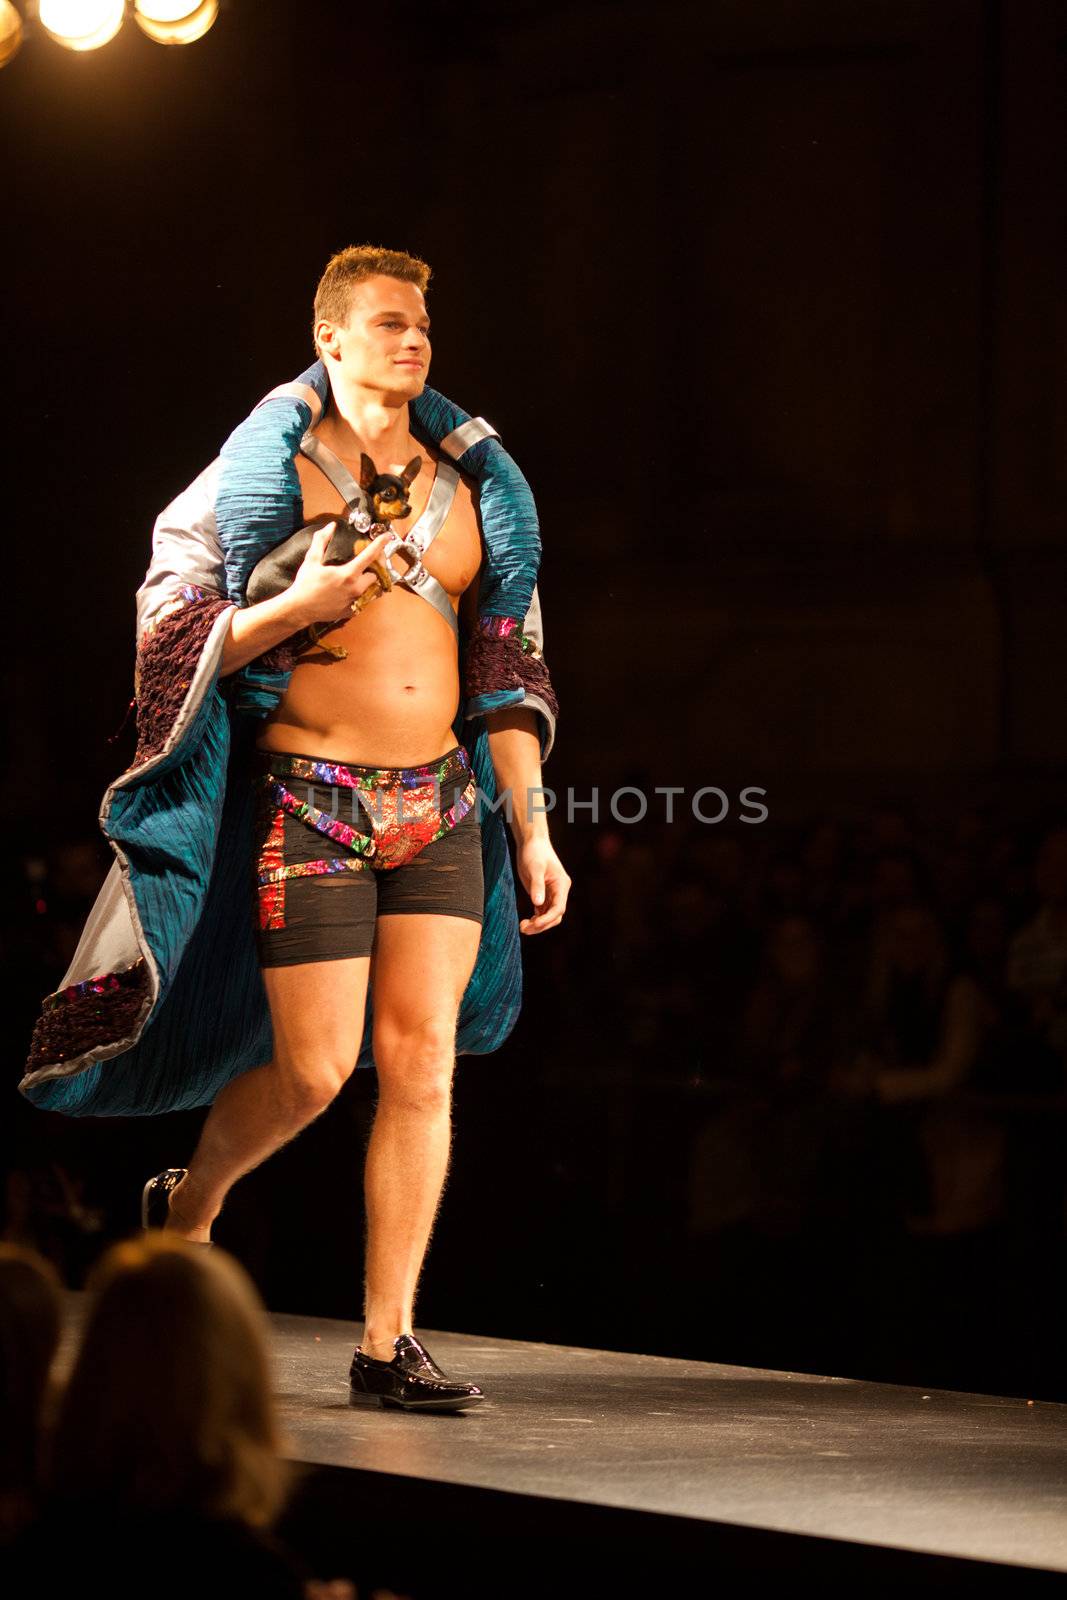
(337, 846)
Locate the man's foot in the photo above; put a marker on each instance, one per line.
(156, 1205)
(411, 1380)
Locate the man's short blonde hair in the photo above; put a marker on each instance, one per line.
(333, 297)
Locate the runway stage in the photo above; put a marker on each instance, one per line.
(581, 1461)
(591, 1471)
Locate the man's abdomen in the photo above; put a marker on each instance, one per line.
(391, 702)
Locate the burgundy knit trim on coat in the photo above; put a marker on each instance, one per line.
(167, 655)
(500, 656)
(98, 1011)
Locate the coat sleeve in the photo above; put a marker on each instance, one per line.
(504, 668)
(541, 697)
(178, 607)
(186, 551)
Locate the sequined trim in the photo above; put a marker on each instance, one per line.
(342, 775)
(272, 889)
(404, 815)
(106, 984)
(307, 869)
(183, 597)
(508, 628)
(410, 820)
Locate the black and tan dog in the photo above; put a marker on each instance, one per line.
(387, 501)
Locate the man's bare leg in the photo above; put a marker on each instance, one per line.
(422, 965)
(317, 1012)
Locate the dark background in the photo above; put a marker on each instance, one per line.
(768, 302)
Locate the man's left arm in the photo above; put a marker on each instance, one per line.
(515, 746)
(520, 739)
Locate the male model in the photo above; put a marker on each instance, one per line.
(301, 821)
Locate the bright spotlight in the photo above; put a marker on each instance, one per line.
(81, 24)
(175, 21)
(10, 31)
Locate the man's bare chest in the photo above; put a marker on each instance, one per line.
(455, 554)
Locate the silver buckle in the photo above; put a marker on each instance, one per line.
(414, 574)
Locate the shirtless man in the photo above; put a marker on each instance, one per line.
(389, 703)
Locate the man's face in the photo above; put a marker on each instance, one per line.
(385, 344)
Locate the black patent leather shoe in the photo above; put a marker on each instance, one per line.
(412, 1380)
(155, 1201)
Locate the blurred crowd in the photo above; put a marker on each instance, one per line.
(796, 987)
(914, 969)
(144, 1456)
(867, 1015)
(849, 1033)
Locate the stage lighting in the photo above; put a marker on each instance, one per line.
(175, 21)
(10, 31)
(81, 24)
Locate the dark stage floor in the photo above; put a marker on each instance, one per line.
(730, 1468)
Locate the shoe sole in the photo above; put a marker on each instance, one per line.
(360, 1397)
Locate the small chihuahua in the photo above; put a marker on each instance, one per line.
(387, 496)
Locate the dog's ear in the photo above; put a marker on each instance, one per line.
(411, 471)
(367, 470)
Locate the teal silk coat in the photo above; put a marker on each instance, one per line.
(164, 1002)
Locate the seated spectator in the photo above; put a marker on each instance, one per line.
(764, 1154)
(30, 1319)
(164, 1472)
(1011, 1061)
(928, 1028)
(789, 1034)
(925, 1021)
(1037, 959)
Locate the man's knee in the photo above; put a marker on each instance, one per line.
(416, 1062)
(307, 1088)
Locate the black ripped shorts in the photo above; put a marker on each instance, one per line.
(337, 846)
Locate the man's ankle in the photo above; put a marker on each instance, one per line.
(378, 1342)
(187, 1212)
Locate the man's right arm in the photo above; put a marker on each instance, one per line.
(255, 629)
(187, 559)
(187, 554)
